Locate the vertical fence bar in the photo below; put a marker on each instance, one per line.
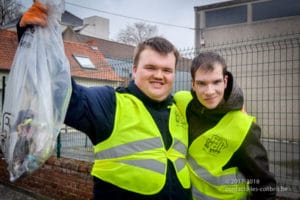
(3, 91)
(58, 146)
(86, 141)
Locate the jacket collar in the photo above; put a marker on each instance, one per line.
(133, 89)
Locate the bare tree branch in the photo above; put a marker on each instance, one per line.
(136, 33)
(9, 10)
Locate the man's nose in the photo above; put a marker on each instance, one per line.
(209, 90)
(158, 74)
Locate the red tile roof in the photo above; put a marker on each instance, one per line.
(108, 48)
(103, 71)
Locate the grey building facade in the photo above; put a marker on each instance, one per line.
(238, 20)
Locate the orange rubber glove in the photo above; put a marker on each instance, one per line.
(36, 15)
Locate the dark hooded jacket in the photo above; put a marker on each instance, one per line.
(251, 158)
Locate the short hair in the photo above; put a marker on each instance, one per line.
(206, 61)
(158, 44)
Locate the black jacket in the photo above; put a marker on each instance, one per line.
(92, 111)
(251, 158)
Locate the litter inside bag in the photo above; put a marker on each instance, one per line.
(36, 97)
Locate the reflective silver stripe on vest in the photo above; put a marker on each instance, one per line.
(201, 196)
(231, 179)
(179, 146)
(180, 163)
(130, 148)
(148, 164)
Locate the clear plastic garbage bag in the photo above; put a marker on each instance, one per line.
(36, 97)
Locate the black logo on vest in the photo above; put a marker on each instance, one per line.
(179, 119)
(215, 144)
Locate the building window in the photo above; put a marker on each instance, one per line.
(226, 16)
(84, 62)
(275, 9)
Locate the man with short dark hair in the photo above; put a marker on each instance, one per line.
(226, 157)
(139, 136)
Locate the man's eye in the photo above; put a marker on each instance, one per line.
(150, 68)
(200, 83)
(217, 82)
(168, 70)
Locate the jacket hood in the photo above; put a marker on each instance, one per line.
(233, 99)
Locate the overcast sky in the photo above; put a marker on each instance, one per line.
(177, 15)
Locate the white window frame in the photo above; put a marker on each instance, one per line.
(84, 62)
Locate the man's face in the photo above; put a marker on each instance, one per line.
(154, 74)
(210, 86)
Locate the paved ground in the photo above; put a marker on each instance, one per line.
(11, 193)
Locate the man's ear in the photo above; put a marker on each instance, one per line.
(134, 68)
(225, 80)
(193, 85)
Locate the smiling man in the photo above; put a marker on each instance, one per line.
(226, 158)
(154, 72)
(209, 84)
(140, 138)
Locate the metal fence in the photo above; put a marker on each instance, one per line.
(268, 70)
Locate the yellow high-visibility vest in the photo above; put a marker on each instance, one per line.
(134, 157)
(211, 151)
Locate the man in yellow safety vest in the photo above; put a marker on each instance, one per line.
(226, 158)
(140, 137)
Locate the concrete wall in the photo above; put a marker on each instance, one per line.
(97, 27)
(263, 56)
(242, 32)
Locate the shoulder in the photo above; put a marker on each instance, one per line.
(183, 95)
(182, 98)
(101, 92)
(255, 131)
(253, 138)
